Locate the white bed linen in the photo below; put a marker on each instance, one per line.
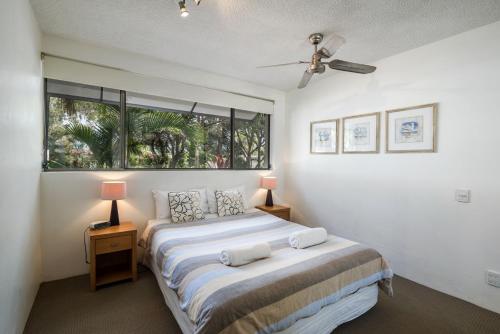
(154, 222)
(323, 322)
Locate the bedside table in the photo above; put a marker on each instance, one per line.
(276, 210)
(113, 254)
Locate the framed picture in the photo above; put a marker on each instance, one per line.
(361, 133)
(324, 136)
(411, 129)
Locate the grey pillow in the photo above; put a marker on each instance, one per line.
(185, 206)
(229, 203)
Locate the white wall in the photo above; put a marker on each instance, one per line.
(70, 200)
(20, 162)
(403, 204)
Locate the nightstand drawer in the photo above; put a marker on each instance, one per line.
(114, 244)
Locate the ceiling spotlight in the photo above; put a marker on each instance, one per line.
(197, 2)
(182, 6)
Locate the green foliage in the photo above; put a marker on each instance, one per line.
(100, 136)
(160, 139)
(85, 134)
(250, 142)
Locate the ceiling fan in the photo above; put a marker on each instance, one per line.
(327, 50)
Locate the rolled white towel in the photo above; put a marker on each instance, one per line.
(239, 256)
(308, 238)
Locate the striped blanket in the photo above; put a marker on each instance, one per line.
(267, 295)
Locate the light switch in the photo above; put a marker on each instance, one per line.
(462, 195)
(493, 278)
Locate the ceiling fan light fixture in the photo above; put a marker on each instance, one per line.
(326, 50)
(183, 9)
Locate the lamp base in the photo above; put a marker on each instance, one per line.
(113, 216)
(269, 198)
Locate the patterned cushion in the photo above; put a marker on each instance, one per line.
(185, 206)
(229, 203)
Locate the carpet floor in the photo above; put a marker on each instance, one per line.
(67, 306)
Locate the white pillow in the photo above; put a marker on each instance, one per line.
(203, 198)
(161, 204)
(212, 202)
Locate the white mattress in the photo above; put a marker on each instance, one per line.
(323, 322)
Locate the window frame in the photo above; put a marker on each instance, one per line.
(123, 130)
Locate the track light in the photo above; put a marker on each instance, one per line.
(182, 6)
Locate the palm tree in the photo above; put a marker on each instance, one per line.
(101, 135)
(155, 138)
(165, 135)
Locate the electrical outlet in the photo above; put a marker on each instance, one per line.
(493, 278)
(462, 195)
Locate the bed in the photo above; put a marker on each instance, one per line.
(310, 290)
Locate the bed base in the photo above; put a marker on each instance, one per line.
(323, 322)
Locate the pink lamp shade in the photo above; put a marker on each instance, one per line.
(268, 182)
(113, 190)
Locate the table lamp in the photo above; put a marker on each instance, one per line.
(113, 190)
(269, 183)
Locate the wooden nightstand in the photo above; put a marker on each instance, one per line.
(277, 210)
(113, 254)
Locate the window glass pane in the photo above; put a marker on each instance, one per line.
(83, 131)
(166, 133)
(251, 140)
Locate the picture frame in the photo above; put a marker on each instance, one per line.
(411, 129)
(324, 137)
(361, 133)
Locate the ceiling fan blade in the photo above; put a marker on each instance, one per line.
(331, 46)
(305, 79)
(285, 64)
(347, 66)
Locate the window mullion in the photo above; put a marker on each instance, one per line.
(123, 130)
(231, 161)
(268, 141)
(45, 163)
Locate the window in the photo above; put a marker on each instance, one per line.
(164, 133)
(87, 128)
(83, 127)
(251, 140)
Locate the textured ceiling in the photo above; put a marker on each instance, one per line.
(232, 37)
